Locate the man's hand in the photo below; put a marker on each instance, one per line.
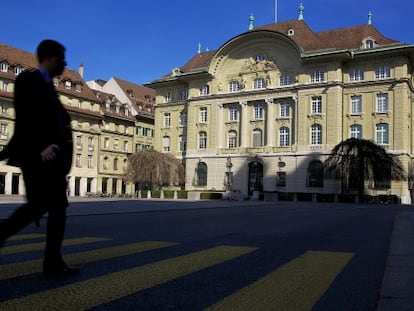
(49, 153)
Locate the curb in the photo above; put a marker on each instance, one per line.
(398, 281)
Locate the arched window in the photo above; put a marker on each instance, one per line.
(201, 174)
(257, 138)
(115, 164)
(125, 165)
(202, 140)
(316, 134)
(232, 136)
(315, 174)
(284, 140)
(356, 131)
(382, 134)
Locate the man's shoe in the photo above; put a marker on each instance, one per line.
(59, 271)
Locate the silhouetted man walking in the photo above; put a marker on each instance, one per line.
(42, 147)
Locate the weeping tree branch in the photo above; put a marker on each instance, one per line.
(150, 166)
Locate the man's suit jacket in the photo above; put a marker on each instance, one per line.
(41, 120)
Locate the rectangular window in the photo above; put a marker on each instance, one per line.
(234, 86)
(257, 138)
(356, 75)
(258, 111)
(125, 146)
(90, 143)
(316, 105)
(317, 76)
(116, 144)
(184, 95)
(166, 143)
(204, 90)
(168, 97)
(382, 102)
(202, 140)
(286, 80)
(68, 85)
(259, 84)
(232, 140)
(203, 114)
(79, 142)
(281, 179)
(182, 142)
(284, 137)
(382, 72)
(90, 161)
(4, 129)
(5, 86)
(284, 110)
(106, 143)
(356, 104)
(78, 160)
(167, 119)
(183, 119)
(233, 114)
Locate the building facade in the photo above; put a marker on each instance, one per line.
(97, 164)
(271, 103)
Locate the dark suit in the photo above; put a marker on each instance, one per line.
(41, 121)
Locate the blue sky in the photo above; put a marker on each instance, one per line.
(140, 41)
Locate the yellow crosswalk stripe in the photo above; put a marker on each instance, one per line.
(296, 286)
(100, 290)
(29, 236)
(33, 266)
(14, 249)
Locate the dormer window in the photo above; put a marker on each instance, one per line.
(68, 85)
(108, 107)
(259, 83)
(126, 111)
(4, 67)
(204, 90)
(260, 58)
(168, 97)
(184, 94)
(117, 109)
(368, 43)
(130, 93)
(78, 88)
(18, 70)
(234, 86)
(55, 82)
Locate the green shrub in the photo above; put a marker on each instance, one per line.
(307, 197)
(325, 197)
(182, 194)
(168, 194)
(285, 196)
(156, 194)
(211, 196)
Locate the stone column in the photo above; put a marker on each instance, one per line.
(72, 186)
(270, 122)
(8, 183)
(220, 126)
(22, 189)
(82, 189)
(244, 124)
(94, 185)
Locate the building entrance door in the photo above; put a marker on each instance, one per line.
(2, 184)
(255, 177)
(77, 186)
(15, 184)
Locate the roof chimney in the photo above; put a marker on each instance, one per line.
(81, 70)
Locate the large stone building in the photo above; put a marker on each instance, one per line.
(271, 103)
(103, 129)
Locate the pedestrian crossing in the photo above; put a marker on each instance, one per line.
(295, 286)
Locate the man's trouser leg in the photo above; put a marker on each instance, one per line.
(55, 234)
(20, 218)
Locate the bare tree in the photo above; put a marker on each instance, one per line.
(155, 168)
(360, 160)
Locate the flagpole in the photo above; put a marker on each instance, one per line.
(275, 11)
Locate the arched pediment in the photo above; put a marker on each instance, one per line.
(256, 51)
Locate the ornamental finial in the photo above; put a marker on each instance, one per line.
(301, 9)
